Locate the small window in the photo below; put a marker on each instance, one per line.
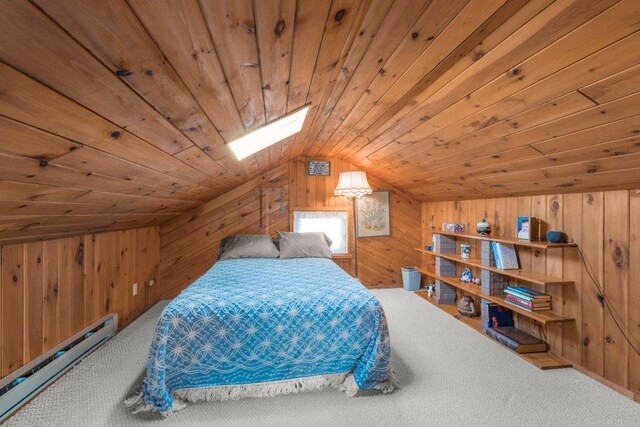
(333, 223)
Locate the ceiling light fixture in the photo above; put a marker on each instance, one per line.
(269, 134)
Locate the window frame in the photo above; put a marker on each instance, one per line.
(349, 212)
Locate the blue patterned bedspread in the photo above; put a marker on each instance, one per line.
(254, 321)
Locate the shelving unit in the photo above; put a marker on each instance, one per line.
(542, 316)
(539, 245)
(537, 278)
(467, 287)
(544, 360)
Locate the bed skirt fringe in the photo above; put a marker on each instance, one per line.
(343, 382)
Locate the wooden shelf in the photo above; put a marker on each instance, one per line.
(538, 245)
(537, 278)
(542, 316)
(453, 281)
(545, 360)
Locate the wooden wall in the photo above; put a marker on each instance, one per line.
(606, 225)
(49, 290)
(379, 258)
(189, 243)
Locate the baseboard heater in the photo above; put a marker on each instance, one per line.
(20, 386)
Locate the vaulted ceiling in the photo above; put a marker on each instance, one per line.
(115, 113)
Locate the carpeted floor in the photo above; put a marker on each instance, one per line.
(450, 375)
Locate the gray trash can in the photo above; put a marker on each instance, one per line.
(410, 278)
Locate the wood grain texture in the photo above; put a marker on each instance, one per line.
(124, 107)
(604, 226)
(189, 243)
(51, 290)
(379, 258)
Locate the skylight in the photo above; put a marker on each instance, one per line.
(269, 134)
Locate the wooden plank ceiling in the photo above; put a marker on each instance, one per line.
(115, 113)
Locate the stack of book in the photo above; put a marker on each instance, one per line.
(517, 340)
(528, 299)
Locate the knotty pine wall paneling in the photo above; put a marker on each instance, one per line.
(606, 225)
(379, 258)
(189, 243)
(114, 114)
(50, 290)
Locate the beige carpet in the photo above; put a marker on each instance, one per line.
(450, 374)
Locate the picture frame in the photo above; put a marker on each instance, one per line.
(372, 215)
(319, 168)
(527, 228)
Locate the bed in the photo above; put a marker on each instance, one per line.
(262, 327)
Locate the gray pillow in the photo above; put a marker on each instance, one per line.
(247, 246)
(304, 245)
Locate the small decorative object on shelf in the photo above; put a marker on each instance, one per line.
(467, 306)
(555, 236)
(431, 290)
(527, 228)
(467, 276)
(453, 227)
(483, 228)
(428, 248)
(465, 250)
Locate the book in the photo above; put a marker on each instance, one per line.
(527, 292)
(527, 297)
(506, 256)
(498, 315)
(495, 254)
(526, 307)
(529, 304)
(517, 340)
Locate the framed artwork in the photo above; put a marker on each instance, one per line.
(527, 228)
(372, 215)
(318, 168)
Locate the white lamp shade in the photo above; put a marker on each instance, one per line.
(353, 184)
